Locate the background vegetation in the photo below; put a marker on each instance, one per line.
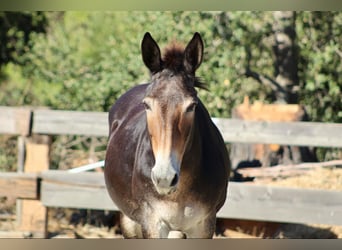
(86, 60)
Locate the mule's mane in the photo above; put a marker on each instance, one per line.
(173, 58)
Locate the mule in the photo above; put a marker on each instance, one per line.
(166, 165)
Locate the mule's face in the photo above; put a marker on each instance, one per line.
(170, 111)
(170, 105)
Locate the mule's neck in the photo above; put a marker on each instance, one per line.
(193, 152)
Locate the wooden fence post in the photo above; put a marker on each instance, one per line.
(32, 215)
(252, 154)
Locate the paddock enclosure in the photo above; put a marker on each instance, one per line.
(37, 188)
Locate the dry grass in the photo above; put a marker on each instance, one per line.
(320, 178)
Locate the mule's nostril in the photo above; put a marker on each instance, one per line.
(174, 180)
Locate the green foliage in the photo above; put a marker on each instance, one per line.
(15, 29)
(320, 39)
(86, 60)
(8, 159)
(83, 62)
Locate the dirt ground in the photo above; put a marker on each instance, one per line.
(75, 223)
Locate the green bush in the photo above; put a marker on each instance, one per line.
(319, 40)
(85, 60)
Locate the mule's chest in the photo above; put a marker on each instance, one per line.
(177, 216)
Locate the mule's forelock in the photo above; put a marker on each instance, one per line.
(173, 56)
(188, 59)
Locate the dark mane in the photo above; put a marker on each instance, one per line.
(173, 59)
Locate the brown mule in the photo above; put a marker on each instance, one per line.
(166, 166)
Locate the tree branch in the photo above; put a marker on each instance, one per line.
(266, 80)
(339, 52)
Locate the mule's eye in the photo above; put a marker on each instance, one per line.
(146, 105)
(191, 107)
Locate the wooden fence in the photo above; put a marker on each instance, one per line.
(48, 188)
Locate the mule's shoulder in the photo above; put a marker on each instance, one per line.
(131, 97)
(127, 103)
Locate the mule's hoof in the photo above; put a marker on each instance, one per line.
(176, 235)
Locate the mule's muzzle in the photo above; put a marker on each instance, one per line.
(164, 184)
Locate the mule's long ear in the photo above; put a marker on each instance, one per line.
(151, 53)
(193, 53)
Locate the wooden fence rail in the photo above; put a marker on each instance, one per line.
(57, 122)
(244, 201)
(19, 185)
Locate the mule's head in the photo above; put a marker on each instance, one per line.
(170, 104)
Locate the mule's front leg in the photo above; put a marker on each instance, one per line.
(176, 235)
(205, 229)
(130, 228)
(156, 229)
(166, 232)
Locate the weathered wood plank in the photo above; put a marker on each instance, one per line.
(88, 187)
(293, 205)
(88, 179)
(276, 112)
(55, 194)
(15, 120)
(232, 130)
(286, 170)
(32, 214)
(70, 122)
(244, 201)
(19, 185)
(19, 235)
(284, 133)
(21, 141)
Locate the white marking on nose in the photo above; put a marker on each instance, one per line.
(165, 173)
